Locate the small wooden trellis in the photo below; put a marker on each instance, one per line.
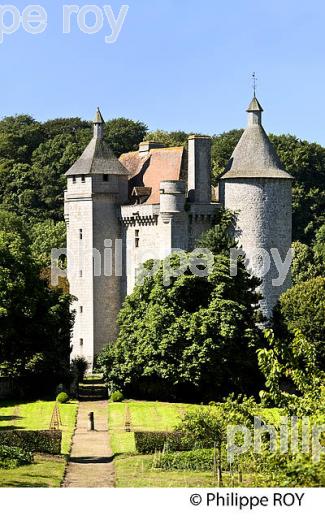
(127, 419)
(56, 422)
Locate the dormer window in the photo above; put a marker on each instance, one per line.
(83, 178)
(105, 177)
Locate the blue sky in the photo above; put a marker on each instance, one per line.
(181, 64)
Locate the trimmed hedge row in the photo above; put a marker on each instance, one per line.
(42, 441)
(149, 442)
(196, 460)
(11, 457)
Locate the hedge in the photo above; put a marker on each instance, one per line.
(196, 460)
(149, 442)
(42, 441)
(12, 457)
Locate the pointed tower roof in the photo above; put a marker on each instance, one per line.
(254, 106)
(97, 158)
(254, 155)
(98, 117)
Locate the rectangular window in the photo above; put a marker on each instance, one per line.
(80, 234)
(137, 239)
(80, 274)
(81, 309)
(74, 179)
(83, 178)
(81, 342)
(105, 177)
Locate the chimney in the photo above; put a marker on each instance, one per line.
(199, 169)
(146, 146)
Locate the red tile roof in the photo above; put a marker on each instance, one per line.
(160, 164)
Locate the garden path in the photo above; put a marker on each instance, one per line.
(91, 460)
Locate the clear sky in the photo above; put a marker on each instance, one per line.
(181, 64)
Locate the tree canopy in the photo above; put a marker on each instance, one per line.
(195, 339)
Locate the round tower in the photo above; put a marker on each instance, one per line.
(258, 190)
(172, 197)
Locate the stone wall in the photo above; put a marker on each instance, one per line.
(264, 221)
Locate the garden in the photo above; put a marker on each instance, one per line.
(159, 444)
(40, 460)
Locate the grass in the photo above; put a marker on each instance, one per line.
(136, 471)
(133, 470)
(143, 416)
(47, 471)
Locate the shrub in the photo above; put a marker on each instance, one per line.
(62, 398)
(149, 442)
(12, 457)
(117, 396)
(196, 460)
(43, 441)
(79, 366)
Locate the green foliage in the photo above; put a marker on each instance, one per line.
(195, 460)
(124, 135)
(175, 138)
(41, 441)
(35, 321)
(117, 396)
(62, 398)
(78, 367)
(303, 307)
(219, 238)
(194, 339)
(289, 470)
(151, 442)
(13, 457)
(222, 147)
(206, 426)
(44, 237)
(19, 137)
(292, 375)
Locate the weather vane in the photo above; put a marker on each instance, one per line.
(254, 83)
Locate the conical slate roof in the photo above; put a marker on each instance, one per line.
(254, 155)
(97, 158)
(254, 106)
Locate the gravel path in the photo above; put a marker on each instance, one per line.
(91, 460)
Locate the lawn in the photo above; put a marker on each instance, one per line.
(47, 471)
(142, 416)
(133, 470)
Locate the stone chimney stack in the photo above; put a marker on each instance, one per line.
(199, 169)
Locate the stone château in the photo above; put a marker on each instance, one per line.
(121, 212)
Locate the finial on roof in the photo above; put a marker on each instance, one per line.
(255, 109)
(254, 83)
(98, 125)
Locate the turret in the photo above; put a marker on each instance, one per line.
(256, 188)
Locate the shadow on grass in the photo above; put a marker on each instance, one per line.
(17, 484)
(7, 428)
(91, 460)
(10, 417)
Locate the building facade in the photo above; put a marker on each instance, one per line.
(120, 213)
